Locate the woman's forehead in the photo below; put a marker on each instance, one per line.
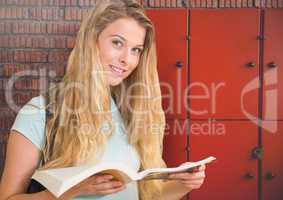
(127, 29)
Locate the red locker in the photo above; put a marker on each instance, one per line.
(273, 63)
(175, 142)
(272, 173)
(234, 175)
(172, 58)
(224, 64)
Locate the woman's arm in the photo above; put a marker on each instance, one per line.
(22, 158)
(176, 189)
(173, 190)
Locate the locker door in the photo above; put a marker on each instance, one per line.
(224, 63)
(175, 142)
(171, 32)
(273, 162)
(233, 175)
(273, 63)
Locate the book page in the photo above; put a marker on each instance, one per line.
(163, 173)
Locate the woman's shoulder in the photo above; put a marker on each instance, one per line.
(30, 121)
(37, 102)
(34, 107)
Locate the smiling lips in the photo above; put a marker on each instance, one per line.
(117, 69)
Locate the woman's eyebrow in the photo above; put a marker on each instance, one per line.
(124, 39)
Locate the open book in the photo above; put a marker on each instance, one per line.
(59, 180)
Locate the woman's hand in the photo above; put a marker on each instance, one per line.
(190, 180)
(95, 185)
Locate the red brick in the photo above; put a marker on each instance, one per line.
(12, 69)
(238, 3)
(20, 56)
(60, 42)
(3, 83)
(215, 3)
(71, 42)
(46, 13)
(62, 28)
(57, 70)
(22, 97)
(50, 42)
(191, 3)
(30, 84)
(28, 27)
(30, 56)
(3, 41)
(6, 121)
(13, 13)
(251, 2)
(6, 56)
(71, 3)
(275, 3)
(75, 14)
(208, 3)
(5, 111)
(259, 3)
(58, 56)
(29, 42)
(5, 27)
(38, 56)
(245, 3)
(1, 70)
(26, 2)
(86, 3)
(18, 97)
(2, 96)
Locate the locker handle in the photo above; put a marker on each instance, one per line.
(179, 64)
(269, 176)
(271, 64)
(249, 175)
(250, 65)
(257, 153)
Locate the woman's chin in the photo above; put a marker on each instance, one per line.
(114, 82)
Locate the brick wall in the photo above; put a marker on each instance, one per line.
(36, 37)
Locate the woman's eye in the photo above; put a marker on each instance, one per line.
(117, 43)
(137, 50)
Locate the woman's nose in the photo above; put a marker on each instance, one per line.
(124, 57)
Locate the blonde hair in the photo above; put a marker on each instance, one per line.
(82, 99)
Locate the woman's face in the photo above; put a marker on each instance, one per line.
(120, 46)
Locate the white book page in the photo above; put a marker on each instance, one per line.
(185, 167)
(60, 180)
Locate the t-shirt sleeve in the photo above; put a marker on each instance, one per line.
(30, 122)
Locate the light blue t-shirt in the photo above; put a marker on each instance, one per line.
(30, 122)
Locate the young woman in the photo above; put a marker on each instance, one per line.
(106, 108)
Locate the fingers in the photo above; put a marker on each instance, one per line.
(195, 182)
(97, 179)
(108, 185)
(202, 168)
(104, 182)
(188, 176)
(100, 185)
(192, 185)
(110, 191)
(191, 180)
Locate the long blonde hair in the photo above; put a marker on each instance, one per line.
(81, 102)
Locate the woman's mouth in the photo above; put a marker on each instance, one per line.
(117, 69)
